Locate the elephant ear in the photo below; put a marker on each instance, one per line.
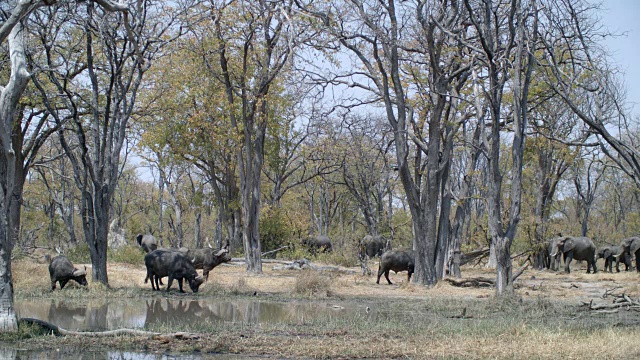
(607, 253)
(568, 244)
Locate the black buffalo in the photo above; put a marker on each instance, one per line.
(175, 265)
(62, 270)
(320, 242)
(207, 258)
(372, 246)
(400, 260)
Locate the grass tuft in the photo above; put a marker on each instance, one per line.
(312, 283)
(241, 287)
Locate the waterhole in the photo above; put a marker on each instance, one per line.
(58, 354)
(145, 313)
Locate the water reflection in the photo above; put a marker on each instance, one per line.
(15, 354)
(145, 313)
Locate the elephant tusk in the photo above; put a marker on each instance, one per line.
(554, 254)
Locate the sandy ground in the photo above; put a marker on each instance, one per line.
(480, 335)
(348, 282)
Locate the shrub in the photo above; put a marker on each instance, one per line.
(241, 288)
(274, 229)
(129, 254)
(78, 254)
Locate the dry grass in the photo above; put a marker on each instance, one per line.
(312, 283)
(542, 319)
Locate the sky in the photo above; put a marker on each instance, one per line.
(623, 17)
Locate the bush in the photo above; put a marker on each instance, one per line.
(78, 254)
(128, 254)
(274, 229)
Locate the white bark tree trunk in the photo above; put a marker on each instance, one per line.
(9, 97)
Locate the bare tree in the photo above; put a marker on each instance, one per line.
(255, 43)
(100, 97)
(381, 36)
(366, 167)
(13, 15)
(588, 174)
(507, 35)
(581, 75)
(288, 163)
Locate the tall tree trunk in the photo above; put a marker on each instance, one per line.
(9, 98)
(250, 182)
(96, 227)
(198, 236)
(504, 284)
(444, 222)
(160, 207)
(463, 210)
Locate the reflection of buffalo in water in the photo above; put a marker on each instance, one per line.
(152, 312)
(163, 311)
(88, 316)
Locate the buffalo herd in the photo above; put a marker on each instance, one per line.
(181, 264)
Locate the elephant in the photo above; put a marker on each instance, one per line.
(630, 247)
(579, 248)
(610, 253)
(553, 262)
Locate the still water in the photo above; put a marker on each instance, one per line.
(145, 313)
(60, 354)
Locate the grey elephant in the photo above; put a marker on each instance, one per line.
(553, 262)
(610, 253)
(579, 248)
(630, 247)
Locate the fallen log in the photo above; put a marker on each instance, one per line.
(306, 264)
(620, 301)
(58, 331)
(473, 282)
(273, 251)
(470, 256)
(484, 282)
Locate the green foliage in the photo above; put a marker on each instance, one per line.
(297, 251)
(129, 254)
(275, 230)
(79, 253)
(25, 331)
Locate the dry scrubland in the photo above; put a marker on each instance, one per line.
(544, 320)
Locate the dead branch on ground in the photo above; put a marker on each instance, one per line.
(619, 301)
(58, 331)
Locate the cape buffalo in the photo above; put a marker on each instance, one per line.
(207, 258)
(147, 242)
(400, 260)
(319, 242)
(175, 265)
(62, 270)
(372, 246)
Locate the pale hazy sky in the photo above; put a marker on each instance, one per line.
(623, 16)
